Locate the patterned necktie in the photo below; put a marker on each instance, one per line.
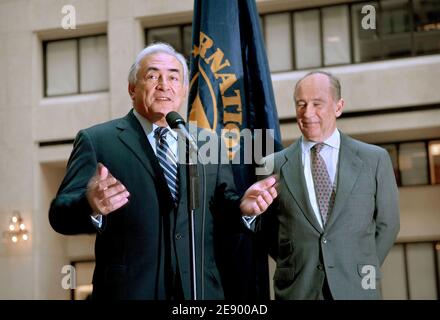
(325, 194)
(167, 161)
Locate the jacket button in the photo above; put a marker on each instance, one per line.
(178, 236)
(324, 240)
(320, 267)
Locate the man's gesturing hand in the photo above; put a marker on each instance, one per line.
(105, 193)
(259, 196)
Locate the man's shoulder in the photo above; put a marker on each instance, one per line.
(363, 149)
(106, 127)
(275, 160)
(288, 151)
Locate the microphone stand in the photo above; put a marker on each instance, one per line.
(192, 175)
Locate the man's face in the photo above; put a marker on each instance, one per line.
(316, 110)
(159, 87)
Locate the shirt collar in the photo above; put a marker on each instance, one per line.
(150, 127)
(333, 141)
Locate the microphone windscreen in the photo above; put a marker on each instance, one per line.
(174, 119)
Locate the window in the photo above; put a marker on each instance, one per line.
(426, 26)
(307, 39)
(180, 37)
(336, 35)
(410, 271)
(278, 41)
(434, 161)
(169, 35)
(392, 150)
(393, 285)
(366, 42)
(93, 59)
(421, 271)
(321, 37)
(343, 34)
(415, 163)
(394, 28)
(75, 66)
(61, 68)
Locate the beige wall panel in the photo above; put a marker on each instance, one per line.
(46, 14)
(61, 118)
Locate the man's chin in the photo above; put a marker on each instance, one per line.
(310, 135)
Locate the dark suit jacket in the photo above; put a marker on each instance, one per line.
(142, 245)
(361, 229)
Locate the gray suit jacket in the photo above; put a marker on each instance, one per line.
(360, 231)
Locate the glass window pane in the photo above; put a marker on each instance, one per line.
(336, 35)
(426, 26)
(421, 271)
(61, 67)
(392, 151)
(434, 160)
(307, 39)
(395, 30)
(278, 41)
(94, 63)
(393, 284)
(366, 42)
(187, 41)
(169, 35)
(413, 163)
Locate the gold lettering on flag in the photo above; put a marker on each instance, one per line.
(231, 98)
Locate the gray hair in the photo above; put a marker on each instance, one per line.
(335, 85)
(157, 47)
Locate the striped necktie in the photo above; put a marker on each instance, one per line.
(325, 193)
(167, 161)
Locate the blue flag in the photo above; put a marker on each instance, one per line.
(230, 84)
(231, 88)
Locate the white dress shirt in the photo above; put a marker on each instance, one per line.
(330, 154)
(149, 128)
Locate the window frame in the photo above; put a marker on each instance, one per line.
(428, 160)
(350, 5)
(78, 70)
(181, 27)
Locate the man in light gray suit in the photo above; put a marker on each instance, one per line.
(336, 215)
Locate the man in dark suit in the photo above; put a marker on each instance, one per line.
(337, 212)
(124, 181)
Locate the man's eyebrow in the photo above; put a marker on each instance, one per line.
(157, 69)
(315, 99)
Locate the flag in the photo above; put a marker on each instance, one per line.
(231, 88)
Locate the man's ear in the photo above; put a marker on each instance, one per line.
(131, 88)
(339, 107)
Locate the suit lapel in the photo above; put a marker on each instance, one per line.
(133, 136)
(349, 168)
(293, 175)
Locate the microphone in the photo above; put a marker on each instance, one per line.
(175, 121)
